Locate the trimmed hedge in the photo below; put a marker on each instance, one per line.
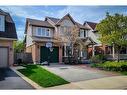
(100, 58)
(112, 66)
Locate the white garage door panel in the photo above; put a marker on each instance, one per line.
(3, 57)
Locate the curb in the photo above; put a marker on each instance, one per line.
(32, 83)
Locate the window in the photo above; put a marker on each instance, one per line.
(47, 32)
(81, 34)
(39, 31)
(43, 32)
(2, 23)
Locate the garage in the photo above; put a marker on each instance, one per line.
(3, 57)
(46, 55)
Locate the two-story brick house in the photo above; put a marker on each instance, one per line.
(39, 32)
(7, 36)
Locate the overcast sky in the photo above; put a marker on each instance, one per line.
(79, 13)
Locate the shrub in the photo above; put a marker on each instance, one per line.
(98, 58)
(112, 66)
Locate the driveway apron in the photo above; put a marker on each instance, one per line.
(10, 80)
(75, 73)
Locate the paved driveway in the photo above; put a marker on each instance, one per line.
(76, 73)
(10, 80)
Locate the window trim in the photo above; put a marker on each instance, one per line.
(45, 30)
(81, 31)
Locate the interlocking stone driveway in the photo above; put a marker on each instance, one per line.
(10, 80)
(76, 73)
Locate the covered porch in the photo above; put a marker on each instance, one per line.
(79, 50)
(112, 53)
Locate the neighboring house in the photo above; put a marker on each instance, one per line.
(39, 32)
(99, 48)
(7, 36)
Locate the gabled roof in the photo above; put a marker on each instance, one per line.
(57, 21)
(88, 40)
(81, 26)
(10, 30)
(39, 23)
(36, 22)
(91, 24)
(67, 15)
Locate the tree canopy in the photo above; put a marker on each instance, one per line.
(18, 46)
(113, 29)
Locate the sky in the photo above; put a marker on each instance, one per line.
(79, 13)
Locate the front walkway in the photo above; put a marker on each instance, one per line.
(76, 73)
(115, 82)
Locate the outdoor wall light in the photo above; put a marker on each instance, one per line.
(60, 46)
(10, 49)
(37, 46)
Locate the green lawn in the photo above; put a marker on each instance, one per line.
(41, 76)
(112, 66)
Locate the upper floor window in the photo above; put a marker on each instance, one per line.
(82, 33)
(2, 22)
(43, 32)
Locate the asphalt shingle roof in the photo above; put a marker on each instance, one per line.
(91, 24)
(10, 30)
(39, 22)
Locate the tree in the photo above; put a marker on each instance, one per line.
(70, 36)
(113, 30)
(18, 46)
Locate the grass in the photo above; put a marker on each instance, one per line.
(41, 76)
(113, 66)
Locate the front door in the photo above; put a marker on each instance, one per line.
(46, 55)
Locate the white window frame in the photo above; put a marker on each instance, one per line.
(37, 34)
(81, 31)
(48, 31)
(45, 30)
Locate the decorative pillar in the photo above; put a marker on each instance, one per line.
(65, 50)
(113, 52)
(93, 50)
(104, 49)
(81, 54)
(60, 54)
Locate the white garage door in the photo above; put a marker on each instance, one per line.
(3, 57)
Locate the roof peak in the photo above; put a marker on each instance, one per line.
(90, 22)
(51, 17)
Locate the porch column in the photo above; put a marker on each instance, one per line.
(65, 50)
(93, 50)
(60, 54)
(81, 53)
(113, 51)
(104, 48)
